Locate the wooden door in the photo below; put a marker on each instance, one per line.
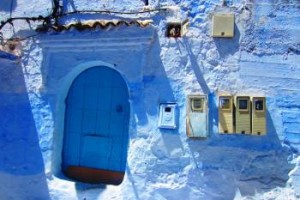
(96, 127)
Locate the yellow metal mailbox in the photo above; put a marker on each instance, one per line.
(243, 114)
(258, 115)
(226, 114)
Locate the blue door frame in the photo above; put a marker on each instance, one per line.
(96, 121)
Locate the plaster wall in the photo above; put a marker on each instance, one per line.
(261, 59)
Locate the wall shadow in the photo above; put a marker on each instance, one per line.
(8, 5)
(21, 162)
(156, 82)
(196, 67)
(212, 116)
(270, 168)
(69, 4)
(248, 164)
(228, 46)
(155, 88)
(132, 181)
(166, 148)
(85, 190)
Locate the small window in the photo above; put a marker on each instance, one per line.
(167, 109)
(173, 29)
(197, 104)
(259, 104)
(225, 103)
(243, 104)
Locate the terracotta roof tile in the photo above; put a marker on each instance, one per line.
(92, 24)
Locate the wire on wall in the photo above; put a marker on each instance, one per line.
(11, 7)
(52, 20)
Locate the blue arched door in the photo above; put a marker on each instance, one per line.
(96, 127)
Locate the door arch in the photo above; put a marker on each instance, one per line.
(96, 127)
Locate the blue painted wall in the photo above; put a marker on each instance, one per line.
(261, 59)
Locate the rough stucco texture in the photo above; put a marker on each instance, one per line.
(261, 59)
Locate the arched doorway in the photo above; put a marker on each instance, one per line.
(96, 127)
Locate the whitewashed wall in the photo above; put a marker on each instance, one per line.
(262, 58)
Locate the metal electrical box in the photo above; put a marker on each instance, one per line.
(243, 114)
(226, 114)
(167, 116)
(197, 116)
(223, 25)
(258, 115)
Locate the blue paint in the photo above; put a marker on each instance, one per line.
(262, 58)
(6, 55)
(20, 153)
(96, 121)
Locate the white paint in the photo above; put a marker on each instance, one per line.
(165, 164)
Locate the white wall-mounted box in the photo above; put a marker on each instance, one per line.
(259, 116)
(167, 116)
(223, 25)
(197, 116)
(226, 117)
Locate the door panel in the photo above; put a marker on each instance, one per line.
(96, 125)
(89, 121)
(73, 151)
(104, 99)
(91, 97)
(92, 155)
(103, 123)
(74, 120)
